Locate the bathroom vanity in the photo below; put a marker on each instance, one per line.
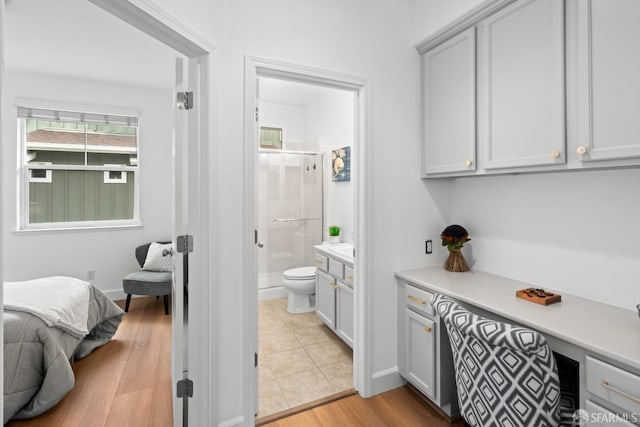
(334, 288)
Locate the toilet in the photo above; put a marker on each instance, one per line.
(301, 284)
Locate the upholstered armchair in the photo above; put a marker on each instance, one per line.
(155, 278)
(505, 375)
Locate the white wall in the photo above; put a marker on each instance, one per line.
(572, 232)
(364, 38)
(109, 252)
(329, 126)
(290, 118)
(575, 232)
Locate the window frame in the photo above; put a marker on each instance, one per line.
(24, 169)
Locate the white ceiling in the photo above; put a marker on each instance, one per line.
(76, 38)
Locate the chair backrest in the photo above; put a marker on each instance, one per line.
(505, 375)
(143, 250)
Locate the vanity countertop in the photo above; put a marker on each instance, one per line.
(341, 251)
(603, 329)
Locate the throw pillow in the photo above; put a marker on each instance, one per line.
(155, 261)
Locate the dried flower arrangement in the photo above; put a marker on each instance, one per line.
(454, 237)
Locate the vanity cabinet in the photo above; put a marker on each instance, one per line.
(344, 313)
(334, 295)
(522, 83)
(326, 299)
(424, 352)
(449, 106)
(608, 68)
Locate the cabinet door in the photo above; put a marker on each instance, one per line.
(326, 299)
(449, 105)
(420, 352)
(523, 106)
(344, 313)
(609, 66)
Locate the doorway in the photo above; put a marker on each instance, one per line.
(256, 68)
(192, 183)
(302, 127)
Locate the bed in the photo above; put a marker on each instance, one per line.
(49, 322)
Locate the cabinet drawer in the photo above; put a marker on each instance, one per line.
(599, 416)
(321, 261)
(336, 268)
(418, 299)
(615, 385)
(348, 275)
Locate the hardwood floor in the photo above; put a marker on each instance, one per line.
(126, 382)
(395, 408)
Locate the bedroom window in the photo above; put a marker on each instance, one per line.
(78, 169)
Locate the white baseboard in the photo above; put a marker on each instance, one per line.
(272, 293)
(386, 380)
(237, 421)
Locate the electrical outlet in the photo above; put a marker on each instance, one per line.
(91, 274)
(428, 246)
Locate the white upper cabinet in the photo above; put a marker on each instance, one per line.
(608, 80)
(522, 85)
(449, 105)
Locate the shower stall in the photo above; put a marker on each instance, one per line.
(290, 212)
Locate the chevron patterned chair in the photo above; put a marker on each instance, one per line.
(506, 376)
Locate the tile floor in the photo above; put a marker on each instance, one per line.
(300, 360)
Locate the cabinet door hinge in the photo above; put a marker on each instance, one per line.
(255, 360)
(184, 100)
(184, 243)
(184, 388)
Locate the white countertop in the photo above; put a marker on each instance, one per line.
(326, 249)
(600, 328)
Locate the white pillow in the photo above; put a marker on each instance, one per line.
(155, 261)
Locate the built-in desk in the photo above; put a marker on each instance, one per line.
(603, 339)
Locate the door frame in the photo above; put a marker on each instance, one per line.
(363, 201)
(203, 360)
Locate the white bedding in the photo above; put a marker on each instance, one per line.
(59, 301)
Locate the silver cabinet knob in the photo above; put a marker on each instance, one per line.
(261, 244)
(581, 150)
(554, 154)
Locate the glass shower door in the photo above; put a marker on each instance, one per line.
(290, 212)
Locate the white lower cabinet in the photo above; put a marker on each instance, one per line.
(334, 298)
(326, 298)
(344, 313)
(420, 352)
(424, 352)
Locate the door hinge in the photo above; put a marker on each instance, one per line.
(184, 388)
(184, 100)
(255, 360)
(184, 244)
(257, 113)
(255, 237)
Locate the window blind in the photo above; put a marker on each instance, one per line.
(77, 117)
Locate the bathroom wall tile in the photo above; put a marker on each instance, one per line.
(278, 341)
(308, 335)
(327, 352)
(339, 374)
(289, 362)
(305, 387)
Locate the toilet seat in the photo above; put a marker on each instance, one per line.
(300, 273)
